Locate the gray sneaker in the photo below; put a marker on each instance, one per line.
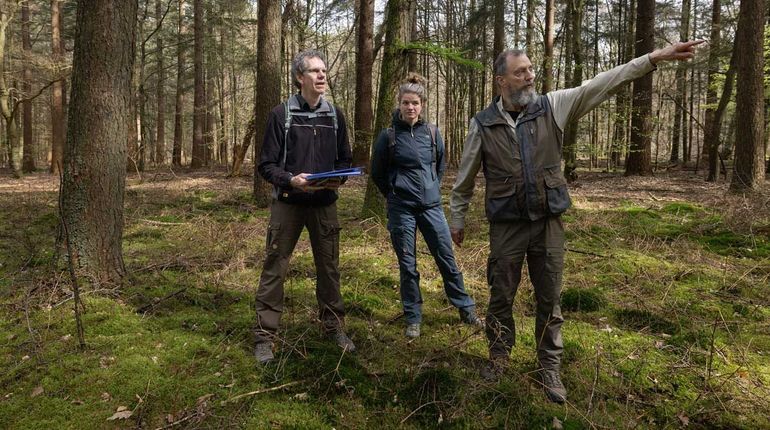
(263, 352)
(412, 330)
(343, 341)
(553, 387)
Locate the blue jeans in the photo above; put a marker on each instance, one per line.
(403, 223)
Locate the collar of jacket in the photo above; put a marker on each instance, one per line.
(399, 123)
(298, 103)
(495, 115)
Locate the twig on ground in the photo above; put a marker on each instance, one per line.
(262, 391)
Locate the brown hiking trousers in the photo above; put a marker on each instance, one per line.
(286, 224)
(542, 242)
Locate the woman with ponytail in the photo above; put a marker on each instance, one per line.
(407, 165)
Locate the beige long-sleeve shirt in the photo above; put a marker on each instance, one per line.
(567, 105)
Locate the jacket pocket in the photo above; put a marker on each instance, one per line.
(556, 192)
(501, 202)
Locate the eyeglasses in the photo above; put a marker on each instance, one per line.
(523, 72)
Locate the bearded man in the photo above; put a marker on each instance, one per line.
(518, 142)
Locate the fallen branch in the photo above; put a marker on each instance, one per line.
(262, 391)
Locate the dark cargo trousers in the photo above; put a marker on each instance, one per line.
(542, 243)
(286, 224)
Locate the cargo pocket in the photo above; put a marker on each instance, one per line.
(556, 192)
(330, 235)
(271, 242)
(501, 202)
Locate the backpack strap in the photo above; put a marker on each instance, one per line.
(292, 102)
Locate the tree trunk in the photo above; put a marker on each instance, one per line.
(638, 162)
(160, 122)
(57, 92)
(714, 128)
(749, 169)
(715, 40)
(679, 134)
(548, 54)
(498, 40)
(93, 185)
(176, 152)
(364, 62)
(575, 57)
(393, 63)
(268, 84)
(7, 96)
(199, 103)
(28, 163)
(530, 35)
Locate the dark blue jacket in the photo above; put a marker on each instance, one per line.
(407, 174)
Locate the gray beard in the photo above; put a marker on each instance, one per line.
(522, 97)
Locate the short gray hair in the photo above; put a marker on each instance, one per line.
(501, 62)
(299, 65)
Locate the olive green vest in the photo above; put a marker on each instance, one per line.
(522, 167)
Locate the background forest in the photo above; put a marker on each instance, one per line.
(132, 227)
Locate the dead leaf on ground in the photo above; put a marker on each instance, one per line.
(122, 414)
(106, 397)
(37, 391)
(684, 419)
(556, 424)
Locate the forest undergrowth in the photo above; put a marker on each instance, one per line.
(666, 300)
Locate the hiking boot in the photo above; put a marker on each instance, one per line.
(263, 352)
(553, 387)
(493, 369)
(412, 330)
(343, 341)
(468, 316)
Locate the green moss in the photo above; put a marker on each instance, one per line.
(583, 300)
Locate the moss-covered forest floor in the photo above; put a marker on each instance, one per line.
(666, 297)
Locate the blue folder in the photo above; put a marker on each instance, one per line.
(353, 171)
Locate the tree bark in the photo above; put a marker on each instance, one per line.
(574, 57)
(393, 63)
(363, 106)
(749, 168)
(93, 185)
(548, 54)
(176, 152)
(268, 84)
(28, 163)
(199, 102)
(710, 139)
(57, 92)
(639, 154)
(160, 122)
(7, 94)
(679, 132)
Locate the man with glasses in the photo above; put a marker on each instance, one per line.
(304, 135)
(518, 142)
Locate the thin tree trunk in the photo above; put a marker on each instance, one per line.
(28, 163)
(160, 122)
(199, 103)
(57, 92)
(176, 152)
(548, 55)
